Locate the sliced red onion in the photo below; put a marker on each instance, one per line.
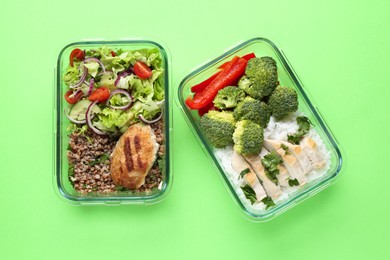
(81, 81)
(120, 91)
(122, 74)
(91, 84)
(95, 60)
(74, 120)
(143, 119)
(88, 119)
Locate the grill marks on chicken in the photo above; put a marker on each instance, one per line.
(133, 156)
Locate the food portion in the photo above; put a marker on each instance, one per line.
(268, 149)
(115, 100)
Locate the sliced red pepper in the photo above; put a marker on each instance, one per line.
(206, 109)
(247, 57)
(201, 86)
(233, 71)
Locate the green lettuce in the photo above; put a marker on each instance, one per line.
(119, 100)
(92, 67)
(109, 119)
(72, 74)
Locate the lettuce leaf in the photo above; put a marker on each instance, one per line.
(92, 68)
(72, 74)
(112, 118)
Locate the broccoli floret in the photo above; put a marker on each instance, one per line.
(218, 127)
(254, 110)
(261, 77)
(248, 137)
(282, 102)
(228, 97)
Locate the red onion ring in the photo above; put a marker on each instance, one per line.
(91, 84)
(95, 60)
(88, 119)
(74, 120)
(120, 91)
(83, 76)
(143, 119)
(122, 74)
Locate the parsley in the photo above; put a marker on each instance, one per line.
(249, 193)
(70, 170)
(121, 188)
(270, 163)
(243, 173)
(285, 148)
(104, 157)
(268, 202)
(293, 182)
(304, 127)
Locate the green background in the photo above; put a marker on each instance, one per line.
(341, 52)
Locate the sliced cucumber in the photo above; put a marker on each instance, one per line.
(78, 111)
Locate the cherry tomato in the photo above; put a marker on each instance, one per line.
(73, 99)
(100, 94)
(142, 70)
(113, 54)
(76, 53)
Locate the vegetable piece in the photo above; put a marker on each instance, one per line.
(81, 80)
(100, 94)
(91, 85)
(228, 97)
(283, 101)
(88, 118)
(249, 193)
(218, 128)
(76, 53)
(116, 101)
(293, 182)
(204, 110)
(268, 202)
(261, 77)
(254, 110)
(72, 97)
(243, 173)
(247, 137)
(246, 57)
(270, 163)
(77, 112)
(235, 70)
(204, 84)
(142, 70)
(146, 121)
(304, 127)
(113, 54)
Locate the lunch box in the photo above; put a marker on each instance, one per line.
(287, 77)
(62, 184)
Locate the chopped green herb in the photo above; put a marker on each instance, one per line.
(121, 188)
(285, 148)
(304, 127)
(293, 182)
(161, 164)
(68, 148)
(242, 174)
(100, 159)
(70, 170)
(268, 202)
(270, 163)
(79, 130)
(249, 193)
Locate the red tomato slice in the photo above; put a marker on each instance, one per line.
(76, 53)
(113, 54)
(142, 70)
(100, 94)
(73, 99)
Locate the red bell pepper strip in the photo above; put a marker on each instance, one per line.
(201, 86)
(247, 57)
(233, 71)
(204, 110)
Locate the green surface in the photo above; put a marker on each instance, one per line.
(339, 50)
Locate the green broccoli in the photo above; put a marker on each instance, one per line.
(283, 101)
(218, 127)
(261, 77)
(248, 137)
(228, 97)
(254, 110)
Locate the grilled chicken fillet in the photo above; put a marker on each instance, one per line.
(133, 156)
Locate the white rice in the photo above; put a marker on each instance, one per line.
(279, 131)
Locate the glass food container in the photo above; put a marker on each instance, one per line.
(61, 179)
(287, 77)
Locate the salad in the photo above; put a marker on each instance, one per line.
(115, 100)
(267, 148)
